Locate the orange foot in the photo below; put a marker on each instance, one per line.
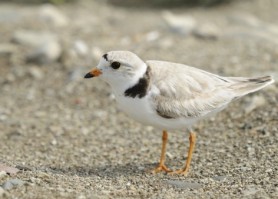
(183, 172)
(160, 168)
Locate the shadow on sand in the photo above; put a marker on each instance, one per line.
(111, 171)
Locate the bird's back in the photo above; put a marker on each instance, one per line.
(190, 92)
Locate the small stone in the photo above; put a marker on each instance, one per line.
(3, 117)
(36, 73)
(46, 53)
(183, 25)
(2, 174)
(152, 36)
(99, 114)
(250, 190)
(32, 38)
(54, 142)
(12, 183)
(255, 102)
(43, 175)
(50, 14)
(169, 155)
(8, 170)
(80, 48)
(82, 197)
(268, 170)
(141, 168)
(220, 178)
(207, 31)
(183, 184)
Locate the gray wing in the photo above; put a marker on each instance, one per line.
(184, 91)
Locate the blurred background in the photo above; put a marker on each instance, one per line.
(53, 121)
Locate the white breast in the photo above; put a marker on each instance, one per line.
(142, 110)
(139, 109)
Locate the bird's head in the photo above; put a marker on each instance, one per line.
(119, 68)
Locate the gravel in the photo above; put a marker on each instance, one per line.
(68, 138)
(12, 183)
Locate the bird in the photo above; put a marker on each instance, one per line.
(170, 96)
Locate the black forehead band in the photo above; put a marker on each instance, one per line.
(105, 57)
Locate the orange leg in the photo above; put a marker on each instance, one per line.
(184, 171)
(161, 166)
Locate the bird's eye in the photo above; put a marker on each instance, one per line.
(115, 65)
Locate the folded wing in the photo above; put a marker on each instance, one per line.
(184, 91)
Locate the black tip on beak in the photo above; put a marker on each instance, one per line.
(88, 75)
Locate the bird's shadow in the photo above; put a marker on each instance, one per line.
(109, 170)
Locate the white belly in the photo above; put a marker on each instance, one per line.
(141, 110)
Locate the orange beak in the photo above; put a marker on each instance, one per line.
(93, 73)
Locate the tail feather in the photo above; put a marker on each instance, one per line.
(260, 80)
(243, 85)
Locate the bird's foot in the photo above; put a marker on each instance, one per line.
(161, 167)
(183, 172)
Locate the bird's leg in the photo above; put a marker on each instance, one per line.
(161, 166)
(184, 171)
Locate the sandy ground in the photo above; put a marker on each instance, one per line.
(69, 140)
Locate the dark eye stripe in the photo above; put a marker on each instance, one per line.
(115, 65)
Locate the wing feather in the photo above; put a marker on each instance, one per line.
(184, 91)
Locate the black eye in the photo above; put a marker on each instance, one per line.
(115, 65)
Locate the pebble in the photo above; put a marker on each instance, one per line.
(152, 36)
(97, 114)
(183, 25)
(250, 190)
(207, 31)
(255, 102)
(12, 183)
(220, 178)
(51, 15)
(80, 47)
(32, 38)
(36, 73)
(269, 170)
(8, 170)
(45, 46)
(2, 174)
(183, 184)
(46, 53)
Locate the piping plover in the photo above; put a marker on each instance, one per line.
(168, 95)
